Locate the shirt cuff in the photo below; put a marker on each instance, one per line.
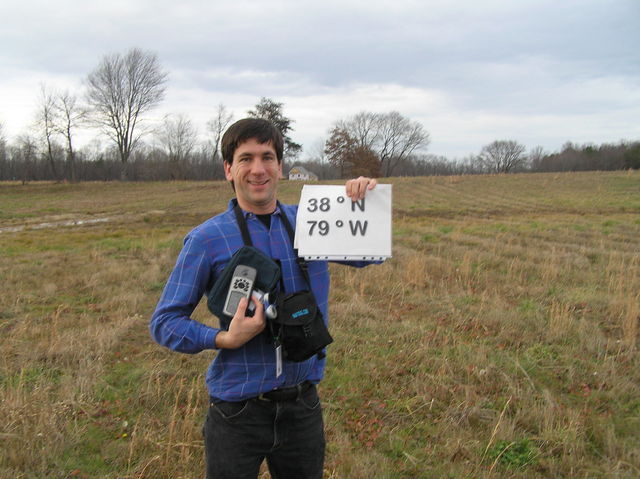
(208, 337)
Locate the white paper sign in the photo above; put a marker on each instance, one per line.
(330, 226)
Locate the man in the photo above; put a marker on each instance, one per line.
(257, 410)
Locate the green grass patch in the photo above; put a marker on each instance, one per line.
(31, 377)
(517, 454)
(121, 380)
(88, 456)
(527, 305)
(429, 238)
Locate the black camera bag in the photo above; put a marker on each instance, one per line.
(267, 278)
(300, 327)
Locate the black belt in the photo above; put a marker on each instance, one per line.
(286, 394)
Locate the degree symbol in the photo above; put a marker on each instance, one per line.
(339, 224)
(340, 199)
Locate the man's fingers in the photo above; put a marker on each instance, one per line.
(258, 314)
(349, 188)
(244, 303)
(353, 188)
(357, 188)
(242, 308)
(259, 305)
(243, 328)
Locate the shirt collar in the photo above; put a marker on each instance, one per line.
(248, 214)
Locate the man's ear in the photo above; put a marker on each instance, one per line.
(227, 171)
(228, 175)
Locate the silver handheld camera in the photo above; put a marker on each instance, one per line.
(269, 309)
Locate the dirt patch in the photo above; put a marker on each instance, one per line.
(66, 221)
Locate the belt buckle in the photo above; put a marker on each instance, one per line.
(297, 390)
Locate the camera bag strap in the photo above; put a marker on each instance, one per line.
(319, 332)
(302, 263)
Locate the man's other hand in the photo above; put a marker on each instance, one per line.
(242, 328)
(358, 187)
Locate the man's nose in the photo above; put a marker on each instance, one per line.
(257, 166)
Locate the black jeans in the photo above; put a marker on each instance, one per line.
(289, 434)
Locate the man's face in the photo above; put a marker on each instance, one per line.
(255, 172)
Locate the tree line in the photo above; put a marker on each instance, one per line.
(124, 88)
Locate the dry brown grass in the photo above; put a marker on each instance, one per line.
(500, 341)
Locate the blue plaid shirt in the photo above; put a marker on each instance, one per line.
(235, 374)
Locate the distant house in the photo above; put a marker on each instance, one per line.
(300, 173)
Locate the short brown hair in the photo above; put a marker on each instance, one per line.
(262, 130)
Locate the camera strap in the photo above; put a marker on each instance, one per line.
(242, 224)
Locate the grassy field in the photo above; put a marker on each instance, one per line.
(500, 341)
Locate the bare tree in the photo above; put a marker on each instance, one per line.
(25, 154)
(317, 153)
(46, 122)
(217, 126)
(363, 128)
(364, 162)
(390, 136)
(70, 115)
(338, 149)
(536, 156)
(398, 138)
(178, 138)
(631, 156)
(351, 158)
(122, 89)
(502, 156)
(3, 152)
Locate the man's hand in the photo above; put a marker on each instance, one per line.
(358, 187)
(242, 328)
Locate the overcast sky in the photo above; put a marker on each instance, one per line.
(536, 71)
